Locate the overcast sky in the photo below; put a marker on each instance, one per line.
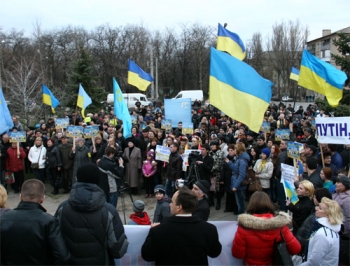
(243, 17)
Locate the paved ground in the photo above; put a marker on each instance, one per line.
(52, 201)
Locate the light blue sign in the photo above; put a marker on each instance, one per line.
(178, 110)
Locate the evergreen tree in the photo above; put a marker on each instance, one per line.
(82, 72)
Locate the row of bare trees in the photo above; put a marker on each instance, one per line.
(54, 58)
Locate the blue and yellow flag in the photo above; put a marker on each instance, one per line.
(290, 192)
(49, 99)
(230, 42)
(238, 90)
(121, 109)
(83, 100)
(294, 74)
(6, 122)
(137, 77)
(322, 77)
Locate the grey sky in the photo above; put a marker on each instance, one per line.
(243, 17)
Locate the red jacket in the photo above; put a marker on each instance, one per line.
(13, 163)
(256, 235)
(140, 218)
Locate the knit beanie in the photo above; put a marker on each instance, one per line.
(159, 189)
(88, 173)
(266, 151)
(138, 206)
(203, 185)
(345, 181)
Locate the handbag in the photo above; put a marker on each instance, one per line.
(281, 255)
(9, 177)
(36, 165)
(255, 185)
(249, 177)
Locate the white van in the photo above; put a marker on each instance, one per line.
(193, 94)
(130, 98)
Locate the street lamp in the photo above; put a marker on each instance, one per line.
(1, 62)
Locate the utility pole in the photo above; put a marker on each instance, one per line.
(151, 58)
(157, 95)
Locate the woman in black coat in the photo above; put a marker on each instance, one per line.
(225, 177)
(53, 163)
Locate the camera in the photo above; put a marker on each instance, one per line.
(180, 183)
(194, 156)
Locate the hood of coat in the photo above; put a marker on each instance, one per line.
(86, 197)
(249, 221)
(244, 155)
(324, 221)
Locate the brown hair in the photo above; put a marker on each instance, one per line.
(32, 190)
(328, 173)
(3, 197)
(240, 148)
(260, 203)
(187, 199)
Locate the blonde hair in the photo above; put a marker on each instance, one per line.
(309, 187)
(3, 197)
(240, 148)
(333, 211)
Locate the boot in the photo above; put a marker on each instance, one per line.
(218, 204)
(211, 198)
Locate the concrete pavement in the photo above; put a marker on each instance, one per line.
(52, 202)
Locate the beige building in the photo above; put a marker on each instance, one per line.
(323, 47)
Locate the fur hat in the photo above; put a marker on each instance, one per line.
(203, 185)
(138, 206)
(159, 189)
(88, 173)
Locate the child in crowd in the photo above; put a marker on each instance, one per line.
(162, 209)
(139, 217)
(149, 169)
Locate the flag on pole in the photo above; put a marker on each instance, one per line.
(137, 77)
(121, 109)
(230, 42)
(290, 192)
(238, 90)
(294, 74)
(83, 100)
(6, 122)
(49, 98)
(322, 77)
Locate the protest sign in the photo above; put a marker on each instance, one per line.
(166, 124)
(265, 127)
(19, 136)
(133, 119)
(187, 128)
(333, 130)
(178, 110)
(62, 123)
(91, 132)
(287, 173)
(74, 131)
(185, 155)
(282, 134)
(293, 150)
(162, 153)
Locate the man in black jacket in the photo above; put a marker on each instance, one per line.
(205, 163)
(191, 239)
(201, 189)
(91, 227)
(29, 235)
(173, 170)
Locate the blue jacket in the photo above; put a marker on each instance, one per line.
(239, 170)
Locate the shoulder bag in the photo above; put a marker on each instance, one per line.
(36, 165)
(281, 255)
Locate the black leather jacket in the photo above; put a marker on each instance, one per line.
(31, 236)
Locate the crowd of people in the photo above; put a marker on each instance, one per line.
(228, 152)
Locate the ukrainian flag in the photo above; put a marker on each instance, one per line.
(290, 192)
(321, 77)
(137, 77)
(238, 90)
(294, 74)
(121, 109)
(49, 99)
(83, 100)
(230, 42)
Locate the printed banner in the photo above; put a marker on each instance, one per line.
(282, 134)
(62, 123)
(162, 153)
(91, 132)
(293, 149)
(74, 131)
(287, 173)
(265, 127)
(178, 110)
(19, 136)
(333, 130)
(137, 234)
(166, 124)
(187, 128)
(133, 119)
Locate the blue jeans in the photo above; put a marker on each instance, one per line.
(239, 194)
(169, 187)
(112, 198)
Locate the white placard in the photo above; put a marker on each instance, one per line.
(334, 130)
(162, 153)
